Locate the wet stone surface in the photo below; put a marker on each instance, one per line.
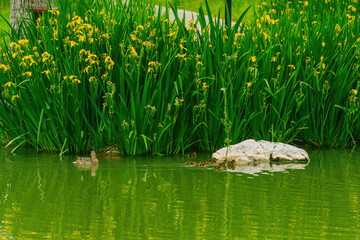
(251, 151)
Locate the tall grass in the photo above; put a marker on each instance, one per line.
(99, 74)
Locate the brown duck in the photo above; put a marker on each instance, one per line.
(87, 160)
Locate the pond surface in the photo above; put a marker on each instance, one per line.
(43, 196)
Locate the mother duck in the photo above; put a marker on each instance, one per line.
(87, 160)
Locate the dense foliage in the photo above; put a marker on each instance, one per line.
(101, 74)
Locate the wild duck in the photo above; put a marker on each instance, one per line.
(87, 160)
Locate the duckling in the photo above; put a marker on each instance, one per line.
(192, 155)
(87, 161)
(213, 161)
(218, 167)
(190, 163)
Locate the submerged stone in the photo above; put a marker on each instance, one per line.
(251, 151)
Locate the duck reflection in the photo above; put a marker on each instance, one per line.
(92, 168)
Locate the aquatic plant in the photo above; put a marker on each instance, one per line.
(97, 74)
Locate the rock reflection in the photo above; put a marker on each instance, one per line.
(266, 167)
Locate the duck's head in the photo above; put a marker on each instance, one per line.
(93, 158)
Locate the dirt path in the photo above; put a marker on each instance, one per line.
(185, 15)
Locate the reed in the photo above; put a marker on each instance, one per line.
(96, 74)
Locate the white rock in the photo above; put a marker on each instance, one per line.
(251, 151)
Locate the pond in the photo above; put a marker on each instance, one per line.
(44, 196)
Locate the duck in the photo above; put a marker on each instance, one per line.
(87, 160)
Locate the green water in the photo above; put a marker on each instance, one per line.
(43, 196)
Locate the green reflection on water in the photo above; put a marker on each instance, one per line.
(42, 196)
